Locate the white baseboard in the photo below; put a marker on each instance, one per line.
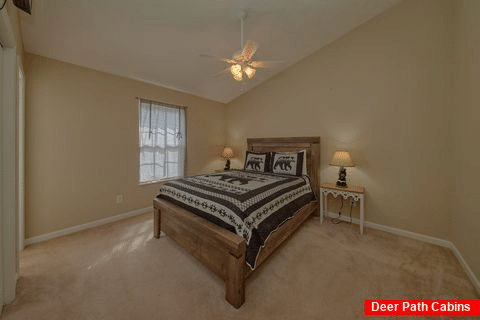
(85, 226)
(421, 237)
(400, 232)
(466, 267)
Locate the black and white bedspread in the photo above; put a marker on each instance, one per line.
(251, 204)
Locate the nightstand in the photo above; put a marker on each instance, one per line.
(357, 193)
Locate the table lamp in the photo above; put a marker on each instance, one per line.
(342, 159)
(227, 153)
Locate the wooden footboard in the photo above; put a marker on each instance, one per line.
(220, 250)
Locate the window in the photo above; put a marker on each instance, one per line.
(162, 141)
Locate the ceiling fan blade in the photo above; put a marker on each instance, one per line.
(249, 50)
(227, 60)
(262, 64)
(237, 56)
(232, 61)
(224, 71)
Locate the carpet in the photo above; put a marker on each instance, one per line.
(325, 271)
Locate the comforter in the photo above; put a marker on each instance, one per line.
(251, 204)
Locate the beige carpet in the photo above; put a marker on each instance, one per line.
(325, 271)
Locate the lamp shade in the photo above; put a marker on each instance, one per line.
(227, 153)
(342, 159)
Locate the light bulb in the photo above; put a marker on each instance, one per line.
(250, 72)
(238, 76)
(236, 69)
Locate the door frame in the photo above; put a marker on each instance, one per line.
(21, 159)
(8, 164)
(9, 174)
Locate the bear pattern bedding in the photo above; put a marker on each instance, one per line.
(250, 204)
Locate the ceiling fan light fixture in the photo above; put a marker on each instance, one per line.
(238, 77)
(236, 69)
(237, 56)
(250, 72)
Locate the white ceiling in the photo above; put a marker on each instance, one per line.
(161, 42)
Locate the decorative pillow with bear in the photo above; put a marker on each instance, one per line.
(290, 163)
(259, 162)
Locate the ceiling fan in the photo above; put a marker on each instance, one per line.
(242, 63)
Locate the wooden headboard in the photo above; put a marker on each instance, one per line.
(311, 144)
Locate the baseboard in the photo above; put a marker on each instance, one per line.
(420, 237)
(400, 232)
(466, 267)
(85, 226)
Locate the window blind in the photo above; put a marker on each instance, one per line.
(162, 141)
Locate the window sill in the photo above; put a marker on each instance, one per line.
(146, 183)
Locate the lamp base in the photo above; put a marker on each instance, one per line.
(341, 184)
(342, 178)
(227, 165)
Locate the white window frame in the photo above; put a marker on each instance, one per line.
(164, 105)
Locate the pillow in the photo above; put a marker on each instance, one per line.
(259, 162)
(291, 163)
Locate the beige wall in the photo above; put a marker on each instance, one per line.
(466, 168)
(81, 143)
(383, 92)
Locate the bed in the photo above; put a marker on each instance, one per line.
(224, 252)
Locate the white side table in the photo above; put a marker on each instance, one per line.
(356, 192)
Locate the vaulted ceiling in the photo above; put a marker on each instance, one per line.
(162, 42)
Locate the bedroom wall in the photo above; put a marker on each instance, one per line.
(466, 167)
(383, 92)
(81, 143)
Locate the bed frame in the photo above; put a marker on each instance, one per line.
(223, 251)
